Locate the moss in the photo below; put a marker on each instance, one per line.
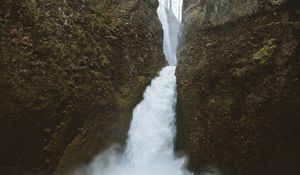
(105, 61)
(265, 52)
(141, 78)
(68, 63)
(240, 72)
(237, 97)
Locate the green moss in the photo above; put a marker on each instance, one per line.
(67, 63)
(265, 52)
(141, 79)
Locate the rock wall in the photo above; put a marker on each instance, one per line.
(209, 13)
(239, 86)
(71, 72)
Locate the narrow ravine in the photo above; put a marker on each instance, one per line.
(150, 144)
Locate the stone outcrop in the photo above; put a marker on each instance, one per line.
(239, 86)
(71, 73)
(209, 13)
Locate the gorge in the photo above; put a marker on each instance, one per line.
(150, 145)
(73, 75)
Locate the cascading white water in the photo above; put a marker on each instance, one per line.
(170, 18)
(151, 136)
(150, 143)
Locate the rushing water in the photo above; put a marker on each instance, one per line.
(170, 16)
(150, 143)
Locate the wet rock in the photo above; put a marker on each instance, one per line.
(71, 73)
(210, 13)
(238, 87)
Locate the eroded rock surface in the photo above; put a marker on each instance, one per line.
(209, 13)
(239, 87)
(71, 73)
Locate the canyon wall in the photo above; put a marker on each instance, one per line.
(239, 86)
(71, 73)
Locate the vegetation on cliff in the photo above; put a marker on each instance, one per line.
(239, 91)
(70, 73)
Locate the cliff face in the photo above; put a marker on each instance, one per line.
(71, 72)
(209, 13)
(239, 88)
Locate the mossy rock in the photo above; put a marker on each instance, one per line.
(238, 99)
(64, 64)
(266, 52)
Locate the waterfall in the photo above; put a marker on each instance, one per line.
(150, 144)
(170, 18)
(150, 147)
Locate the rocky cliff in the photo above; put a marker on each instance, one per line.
(239, 86)
(71, 72)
